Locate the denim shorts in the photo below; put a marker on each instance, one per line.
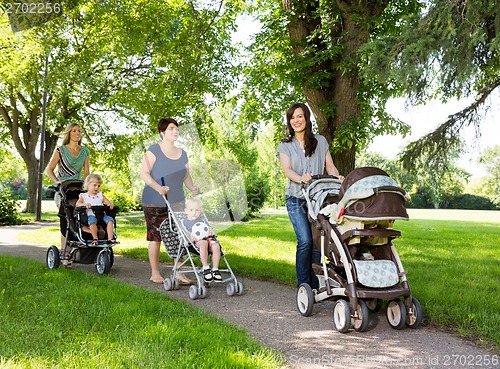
(93, 220)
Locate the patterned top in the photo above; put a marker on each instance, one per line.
(70, 167)
(315, 164)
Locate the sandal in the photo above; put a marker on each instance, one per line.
(157, 280)
(113, 242)
(67, 263)
(183, 281)
(94, 243)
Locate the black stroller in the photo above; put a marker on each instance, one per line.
(73, 222)
(352, 224)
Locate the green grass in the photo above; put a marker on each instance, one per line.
(453, 266)
(72, 319)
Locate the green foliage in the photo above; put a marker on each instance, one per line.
(257, 190)
(115, 68)
(491, 160)
(427, 186)
(470, 202)
(8, 208)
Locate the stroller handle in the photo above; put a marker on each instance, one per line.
(318, 176)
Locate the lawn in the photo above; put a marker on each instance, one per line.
(453, 265)
(73, 319)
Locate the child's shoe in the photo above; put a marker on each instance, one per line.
(217, 276)
(207, 275)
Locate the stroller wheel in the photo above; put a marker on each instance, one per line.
(230, 289)
(167, 284)
(305, 299)
(239, 289)
(102, 262)
(360, 323)
(202, 292)
(52, 258)
(396, 314)
(414, 317)
(193, 292)
(341, 316)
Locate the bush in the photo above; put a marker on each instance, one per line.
(8, 208)
(257, 190)
(469, 202)
(122, 201)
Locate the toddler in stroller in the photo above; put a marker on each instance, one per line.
(202, 235)
(360, 266)
(187, 234)
(79, 245)
(94, 197)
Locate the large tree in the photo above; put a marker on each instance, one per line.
(136, 60)
(311, 50)
(346, 58)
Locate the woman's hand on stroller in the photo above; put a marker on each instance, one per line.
(306, 178)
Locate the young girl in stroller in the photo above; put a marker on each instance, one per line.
(94, 197)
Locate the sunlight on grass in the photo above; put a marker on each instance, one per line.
(453, 266)
(75, 319)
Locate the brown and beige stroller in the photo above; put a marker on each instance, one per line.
(351, 223)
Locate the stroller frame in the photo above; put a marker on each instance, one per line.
(77, 247)
(337, 273)
(187, 248)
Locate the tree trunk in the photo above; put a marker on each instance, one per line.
(340, 86)
(24, 128)
(31, 195)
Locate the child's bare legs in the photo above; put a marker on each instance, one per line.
(203, 247)
(215, 248)
(110, 230)
(207, 272)
(93, 231)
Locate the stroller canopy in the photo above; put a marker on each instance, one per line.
(368, 193)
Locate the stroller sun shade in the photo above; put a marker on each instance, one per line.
(369, 193)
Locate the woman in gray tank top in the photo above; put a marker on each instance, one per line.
(303, 154)
(164, 169)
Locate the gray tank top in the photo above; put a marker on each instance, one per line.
(315, 164)
(172, 172)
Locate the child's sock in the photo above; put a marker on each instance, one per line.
(205, 267)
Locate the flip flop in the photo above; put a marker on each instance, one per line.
(183, 281)
(157, 280)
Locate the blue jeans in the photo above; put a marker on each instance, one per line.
(306, 253)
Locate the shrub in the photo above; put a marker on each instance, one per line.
(122, 201)
(469, 202)
(8, 208)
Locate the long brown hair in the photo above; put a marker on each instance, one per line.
(310, 142)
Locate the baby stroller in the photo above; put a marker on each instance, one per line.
(360, 266)
(78, 246)
(178, 244)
